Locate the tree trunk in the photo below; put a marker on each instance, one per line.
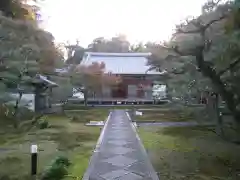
(16, 107)
(198, 97)
(220, 129)
(85, 94)
(228, 96)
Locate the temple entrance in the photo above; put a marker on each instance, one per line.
(119, 91)
(140, 91)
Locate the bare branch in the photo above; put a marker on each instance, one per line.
(174, 49)
(214, 3)
(195, 31)
(218, 1)
(214, 21)
(211, 5)
(231, 66)
(201, 28)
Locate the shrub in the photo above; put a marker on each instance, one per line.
(57, 170)
(43, 123)
(62, 160)
(74, 118)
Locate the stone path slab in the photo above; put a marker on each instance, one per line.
(119, 154)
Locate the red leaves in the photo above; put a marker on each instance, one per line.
(96, 75)
(93, 69)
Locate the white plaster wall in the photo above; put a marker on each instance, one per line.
(27, 100)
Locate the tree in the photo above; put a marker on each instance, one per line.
(202, 51)
(25, 51)
(140, 47)
(18, 9)
(64, 90)
(118, 44)
(211, 43)
(75, 53)
(90, 79)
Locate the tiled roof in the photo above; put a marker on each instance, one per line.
(120, 63)
(46, 80)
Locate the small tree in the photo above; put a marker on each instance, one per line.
(25, 51)
(92, 78)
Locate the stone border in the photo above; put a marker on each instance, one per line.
(152, 172)
(96, 151)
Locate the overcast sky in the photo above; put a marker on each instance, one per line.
(139, 20)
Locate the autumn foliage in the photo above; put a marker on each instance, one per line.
(94, 76)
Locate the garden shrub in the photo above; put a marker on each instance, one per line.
(57, 170)
(43, 123)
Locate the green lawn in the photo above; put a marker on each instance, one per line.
(66, 136)
(75, 106)
(92, 114)
(191, 153)
(164, 115)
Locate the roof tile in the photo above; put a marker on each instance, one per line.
(121, 63)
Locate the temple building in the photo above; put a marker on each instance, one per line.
(137, 79)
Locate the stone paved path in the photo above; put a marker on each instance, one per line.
(120, 155)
